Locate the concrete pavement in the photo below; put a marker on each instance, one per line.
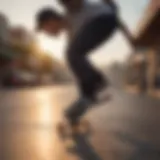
(127, 128)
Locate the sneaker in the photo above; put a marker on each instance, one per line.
(77, 109)
(103, 95)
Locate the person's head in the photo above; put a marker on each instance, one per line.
(50, 21)
(71, 4)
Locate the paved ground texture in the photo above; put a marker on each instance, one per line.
(127, 128)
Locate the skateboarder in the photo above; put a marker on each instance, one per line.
(89, 24)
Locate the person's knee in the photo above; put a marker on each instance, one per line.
(73, 56)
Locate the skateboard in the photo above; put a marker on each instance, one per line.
(76, 141)
(67, 133)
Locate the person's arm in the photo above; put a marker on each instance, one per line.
(127, 33)
(121, 24)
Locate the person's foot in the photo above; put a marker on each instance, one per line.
(77, 109)
(102, 94)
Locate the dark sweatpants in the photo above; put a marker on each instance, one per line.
(91, 36)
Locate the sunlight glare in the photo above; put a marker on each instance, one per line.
(52, 46)
(45, 112)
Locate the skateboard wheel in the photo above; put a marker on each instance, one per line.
(63, 130)
(85, 127)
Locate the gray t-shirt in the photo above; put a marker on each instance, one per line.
(88, 12)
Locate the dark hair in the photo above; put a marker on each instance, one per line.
(64, 1)
(45, 15)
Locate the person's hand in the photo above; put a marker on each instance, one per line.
(134, 43)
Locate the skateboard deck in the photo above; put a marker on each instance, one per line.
(67, 132)
(77, 143)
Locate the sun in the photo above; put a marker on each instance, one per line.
(52, 46)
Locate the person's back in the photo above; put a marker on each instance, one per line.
(88, 11)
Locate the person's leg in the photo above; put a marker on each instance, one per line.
(90, 37)
(87, 76)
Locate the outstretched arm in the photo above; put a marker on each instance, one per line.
(126, 33)
(121, 24)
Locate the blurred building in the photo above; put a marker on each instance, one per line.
(148, 38)
(4, 28)
(148, 29)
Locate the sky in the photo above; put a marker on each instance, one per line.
(22, 12)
